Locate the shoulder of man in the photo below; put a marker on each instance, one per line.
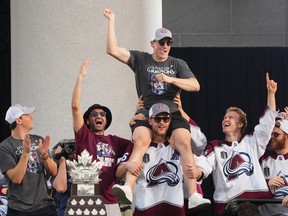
(211, 145)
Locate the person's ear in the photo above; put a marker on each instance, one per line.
(240, 125)
(18, 121)
(150, 121)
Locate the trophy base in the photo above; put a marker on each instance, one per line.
(89, 203)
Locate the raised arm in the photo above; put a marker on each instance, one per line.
(271, 89)
(112, 47)
(75, 104)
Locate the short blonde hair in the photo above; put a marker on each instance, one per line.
(242, 116)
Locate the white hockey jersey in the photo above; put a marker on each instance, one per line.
(275, 165)
(161, 180)
(156, 189)
(236, 169)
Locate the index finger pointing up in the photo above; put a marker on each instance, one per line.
(267, 77)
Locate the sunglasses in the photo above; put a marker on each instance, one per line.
(163, 41)
(165, 119)
(95, 114)
(275, 134)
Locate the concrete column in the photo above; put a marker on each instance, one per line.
(49, 40)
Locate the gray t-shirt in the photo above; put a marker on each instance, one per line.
(32, 193)
(146, 69)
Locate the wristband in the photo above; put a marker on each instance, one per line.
(45, 157)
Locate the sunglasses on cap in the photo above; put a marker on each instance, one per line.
(95, 114)
(168, 42)
(165, 119)
(275, 134)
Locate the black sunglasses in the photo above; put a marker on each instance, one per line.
(275, 134)
(162, 42)
(95, 114)
(165, 119)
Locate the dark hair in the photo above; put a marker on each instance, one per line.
(13, 125)
(231, 209)
(234, 208)
(248, 209)
(277, 124)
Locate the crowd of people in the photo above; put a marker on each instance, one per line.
(161, 169)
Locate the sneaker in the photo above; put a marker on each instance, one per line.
(123, 193)
(197, 201)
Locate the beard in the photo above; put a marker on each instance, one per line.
(278, 145)
(160, 133)
(95, 128)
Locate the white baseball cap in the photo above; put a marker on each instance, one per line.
(280, 116)
(283, 125)
(16, 111)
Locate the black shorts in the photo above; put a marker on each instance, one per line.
(45, 211)
(177, 121)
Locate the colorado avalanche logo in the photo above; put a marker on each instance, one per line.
(163, 172)
(158, 87)
(33, 163)
(281, 192)
(239, 163)
(104, 150)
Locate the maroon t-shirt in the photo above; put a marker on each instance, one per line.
(103, 148)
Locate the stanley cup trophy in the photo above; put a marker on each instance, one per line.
(85, 198)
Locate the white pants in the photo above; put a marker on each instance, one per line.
(112, 209)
